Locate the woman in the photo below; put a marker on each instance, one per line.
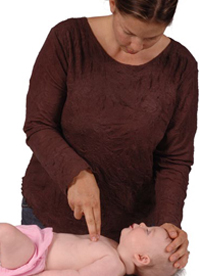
(111, 119)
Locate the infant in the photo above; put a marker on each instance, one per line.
(28, 250)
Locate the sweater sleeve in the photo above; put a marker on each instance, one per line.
(45, 100)
(173, 156)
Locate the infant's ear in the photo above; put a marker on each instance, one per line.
(141, 260)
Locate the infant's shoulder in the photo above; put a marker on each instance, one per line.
(108, 242)
(109, 247)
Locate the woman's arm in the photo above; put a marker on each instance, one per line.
(173, 160)
(45, 100)
(173, 156)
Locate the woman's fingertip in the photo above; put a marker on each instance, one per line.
(95, 238)
(169, 248)
(177, 265)
(173, 258)
(173, 234)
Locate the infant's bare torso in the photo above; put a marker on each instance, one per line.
(68, 251)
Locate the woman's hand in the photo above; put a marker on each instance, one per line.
(179, 245)
(84, 199)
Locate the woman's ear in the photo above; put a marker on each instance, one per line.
(112, 6)
(141, 260)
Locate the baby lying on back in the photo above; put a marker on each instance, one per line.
(28, 250)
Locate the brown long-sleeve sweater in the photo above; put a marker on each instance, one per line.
(133, 126)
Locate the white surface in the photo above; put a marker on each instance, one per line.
(24, 26)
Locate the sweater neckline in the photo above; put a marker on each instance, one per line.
(140, 66)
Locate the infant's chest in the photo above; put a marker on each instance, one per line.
(89, 252)
(76, 252)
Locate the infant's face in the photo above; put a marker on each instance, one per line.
(140, 239)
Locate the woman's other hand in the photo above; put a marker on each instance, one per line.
(84, 199)
(179, 245)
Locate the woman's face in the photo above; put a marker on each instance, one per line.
(133, 35)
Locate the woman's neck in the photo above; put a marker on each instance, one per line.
(103, 30)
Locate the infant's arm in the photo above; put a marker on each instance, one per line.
(106, 266)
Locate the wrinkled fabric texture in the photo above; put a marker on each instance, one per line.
(133, 126)
(41, 239)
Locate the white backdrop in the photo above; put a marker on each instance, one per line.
(24, 26)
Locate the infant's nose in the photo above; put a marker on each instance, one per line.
(143, 225)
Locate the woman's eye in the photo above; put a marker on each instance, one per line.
(127, 33)
(151, 38)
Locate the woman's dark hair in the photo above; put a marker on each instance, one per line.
(160, 11)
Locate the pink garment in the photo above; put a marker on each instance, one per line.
(42, 238)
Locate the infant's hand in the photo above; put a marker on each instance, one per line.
(179, 245)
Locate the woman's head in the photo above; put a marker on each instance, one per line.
(133, 35)
(159, 11)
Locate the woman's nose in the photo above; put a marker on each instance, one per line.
(136, 44)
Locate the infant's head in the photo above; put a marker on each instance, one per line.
(146, 248)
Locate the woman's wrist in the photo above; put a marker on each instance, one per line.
(81, 174)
